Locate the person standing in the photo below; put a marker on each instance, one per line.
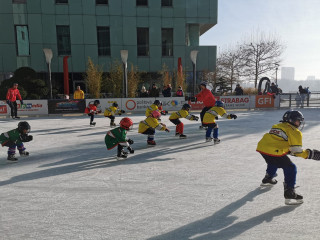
(179, 92)
(78, 93)
(12, 95)
(238, 90)
(208, 100)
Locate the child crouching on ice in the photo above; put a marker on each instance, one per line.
(149, 126)
(15, 138)
(183, 113)
(209, 120)
(118, 137)
(111, 112)
(92, 109)
(285, 138)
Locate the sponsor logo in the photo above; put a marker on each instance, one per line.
(264, 101)
(131, 104)
(3, 109)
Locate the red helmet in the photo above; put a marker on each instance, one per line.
(156, 114)
(126, 123)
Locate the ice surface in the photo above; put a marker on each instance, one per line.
(71, 187)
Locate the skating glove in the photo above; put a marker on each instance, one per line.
(193, 99)
(233, 116)
(25, 138)
(130, 150)
(216, 117)
(8, 102)
(164, 112)
(167, 130)
(130, 141)
(122, 111)
(313, 154)
(21, 101)
(195, 118)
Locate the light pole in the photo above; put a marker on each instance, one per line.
(48, 54)
(124, 58)
(193, 56)
(277, 65)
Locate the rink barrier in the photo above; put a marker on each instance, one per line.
(135, 105)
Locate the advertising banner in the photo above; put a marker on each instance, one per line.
(4, 109)
(235, 102)
(264, 101)
(62, 106)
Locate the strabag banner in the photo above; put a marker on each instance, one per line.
(29, 107)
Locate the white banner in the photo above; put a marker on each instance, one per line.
(233, 102)
(29, 107)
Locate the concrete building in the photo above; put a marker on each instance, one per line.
(287, 73)
(155, 32)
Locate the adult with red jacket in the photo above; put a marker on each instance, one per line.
(208, 100)
(12, 95)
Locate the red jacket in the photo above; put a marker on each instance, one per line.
(12, 94)
(91, 109)
(206, 97)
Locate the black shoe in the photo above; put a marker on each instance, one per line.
(12, 158)
(123, 155)
(268, 181)
(13, 117)
(92, 124)
(291, 197)
(16, 117)
(182, 136)
(24, 153)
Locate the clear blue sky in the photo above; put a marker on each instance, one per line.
(295, 22)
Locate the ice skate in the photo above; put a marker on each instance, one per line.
(177, 134)
(268, 181)
(113, 124)
(12, 158)
(182, 136)
(92, 124)
(122, 156)
(291, 197)
(16, 117)
(209, 139)
(24, 153)
(216, 141)
(203, 127)
(151, 143)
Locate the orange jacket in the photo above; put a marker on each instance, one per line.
(91, 109)
(12, 94)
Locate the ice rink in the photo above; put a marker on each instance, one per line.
(72, 187)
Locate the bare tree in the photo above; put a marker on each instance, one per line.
(262, 56)
(231, 64)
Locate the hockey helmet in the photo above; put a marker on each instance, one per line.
(292, 117)
(203, 84)
(157, 102)
(219, 103)
(126, 123)
(156, 114)
(186, 106)
(96, 102)
(23, 126)
(115, 104)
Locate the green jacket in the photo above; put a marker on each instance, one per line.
(12, 135)
(115, 136)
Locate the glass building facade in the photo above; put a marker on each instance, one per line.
(155, 32)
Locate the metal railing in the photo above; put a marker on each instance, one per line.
(296, 100)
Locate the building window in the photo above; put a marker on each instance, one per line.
(102, 2)
(22, 39)
(103, 41)
(143, 41)
(61, 1)
(167, 41)
(19, 1)
(166, 3)
(63, 40)
(142, 2)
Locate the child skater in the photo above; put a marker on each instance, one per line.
(149, 125)
(156, 106)
(183, 113)
(285, 138)
(92, 109)
(15, 138)
(209, 120)
(118, 137)
(111, 111)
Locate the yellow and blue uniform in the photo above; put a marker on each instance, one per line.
(111, 111)
(151, 108)
(174, 118)
(148, 127)
(283, 138)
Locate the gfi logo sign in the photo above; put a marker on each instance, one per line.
(264, 101)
